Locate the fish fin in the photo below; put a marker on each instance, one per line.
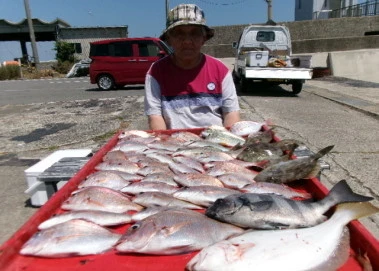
(314, 172)
(342, 192)
(357, 210)
(274, 226)
(322, 152)
(269, 123)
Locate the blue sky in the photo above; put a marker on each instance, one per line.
(143, 17)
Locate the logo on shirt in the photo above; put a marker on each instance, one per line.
(211, 86)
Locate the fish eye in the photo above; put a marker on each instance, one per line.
(135, 226)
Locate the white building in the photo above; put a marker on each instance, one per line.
(319, 9)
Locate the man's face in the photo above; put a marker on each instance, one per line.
(187, 40)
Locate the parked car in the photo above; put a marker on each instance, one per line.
(119, 62)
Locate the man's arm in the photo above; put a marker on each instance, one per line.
(156, 122)
(230, 118)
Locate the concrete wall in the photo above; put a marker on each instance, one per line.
(85, 35)
(360, 64)
(308, 36)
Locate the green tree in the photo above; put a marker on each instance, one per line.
(64, 55)
(65, 51)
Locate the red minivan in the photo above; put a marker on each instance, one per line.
(119, 62)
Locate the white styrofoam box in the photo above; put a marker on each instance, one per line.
(257, 59)
(302, 61)
(36, 189)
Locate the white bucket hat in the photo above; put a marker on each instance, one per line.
(186, 14)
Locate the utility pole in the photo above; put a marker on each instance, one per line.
(269, 10)
(31, 32)
(167, 10)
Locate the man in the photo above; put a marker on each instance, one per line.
(189, 89)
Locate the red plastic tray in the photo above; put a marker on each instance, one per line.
(362, 241)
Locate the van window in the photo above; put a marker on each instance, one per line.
(121, 49)
(266, 36)
(148, 48)
(99, 50)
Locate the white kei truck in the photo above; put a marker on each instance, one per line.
(264, 54)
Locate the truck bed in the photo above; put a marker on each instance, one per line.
(10, 259)
(278, 73)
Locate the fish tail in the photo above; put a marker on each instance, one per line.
(356, 210)
(323, 151)
(342, 192)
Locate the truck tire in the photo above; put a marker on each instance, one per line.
(244, 84)
(297, 87)
(236, 79)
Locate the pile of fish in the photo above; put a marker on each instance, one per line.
(219, 192)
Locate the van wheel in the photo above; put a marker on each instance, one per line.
(105, 82)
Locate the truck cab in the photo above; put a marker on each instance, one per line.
(264, 53)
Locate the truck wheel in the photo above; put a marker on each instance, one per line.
(297, 87)
(244, 84)
(105, 82)
(235, 77)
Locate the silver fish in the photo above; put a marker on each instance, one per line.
(73, 237)
(138, 133)
(191, 162)
(139, 187)
(208, 144)
(269, 211)
(235, 180)
(101, 218)
(161, 157)
(287, 171)
(119, 165)
(108, 179)
(181, 168)
(220, 168)
(163, 145)
(148, 199)
(203, 195)
(174, 232)
(323, 247)
(100, 198)
(196, 179)
(127, 146)
(273, 188)
(186, 137)
(115, 155)
(148, 211)
(160, 178)
(154, 168)
(246, 127)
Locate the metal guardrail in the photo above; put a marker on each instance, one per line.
(370, 8)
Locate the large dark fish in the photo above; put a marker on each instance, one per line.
(287, 171)
(269, 211)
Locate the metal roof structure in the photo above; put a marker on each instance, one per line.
(43, 31)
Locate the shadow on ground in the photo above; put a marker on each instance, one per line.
(265, 90)
(131, 87)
